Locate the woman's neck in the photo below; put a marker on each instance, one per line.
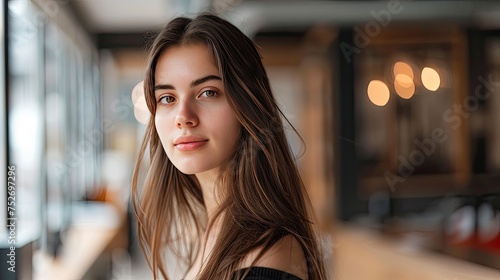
(208, 184)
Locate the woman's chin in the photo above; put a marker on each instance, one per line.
(191, 170)
(187, 171)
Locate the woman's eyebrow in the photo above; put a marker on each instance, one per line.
(163, 86)
(193, 83)
(205, 79)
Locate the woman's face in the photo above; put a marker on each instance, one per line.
(197, 127)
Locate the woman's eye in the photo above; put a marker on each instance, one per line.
(209, 93)
(166, 99)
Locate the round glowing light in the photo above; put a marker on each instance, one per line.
(141, 111)
(430, 79)
(403, 80)
(405, 91)
(137, 92)
(403, 68)
(378, 92)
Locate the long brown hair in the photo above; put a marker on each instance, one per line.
(263, 199)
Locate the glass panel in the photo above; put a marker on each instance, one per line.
(73, 133)
(57, 171)
(26, 114)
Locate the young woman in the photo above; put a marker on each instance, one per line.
(219, 185)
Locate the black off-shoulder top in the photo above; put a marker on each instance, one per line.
(264, 273)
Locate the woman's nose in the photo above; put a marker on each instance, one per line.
(186, 116)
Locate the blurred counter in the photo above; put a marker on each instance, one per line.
(96, 229)
(365, 254)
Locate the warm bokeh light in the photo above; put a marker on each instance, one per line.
(403, 80)
(137, 92)
(404, 89)
(430, 79)
(403, 68)
(141, 111)
(378, 92)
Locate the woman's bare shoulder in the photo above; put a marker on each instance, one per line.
(286, 255)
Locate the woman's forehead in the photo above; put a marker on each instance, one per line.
(188, 60)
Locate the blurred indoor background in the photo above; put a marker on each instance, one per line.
(398, 103)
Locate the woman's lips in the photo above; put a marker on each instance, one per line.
(190, 146)
(189, 142)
